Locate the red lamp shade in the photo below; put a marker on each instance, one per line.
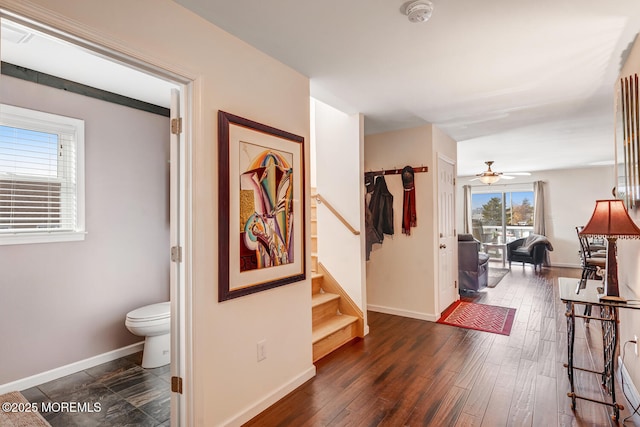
(610, 219)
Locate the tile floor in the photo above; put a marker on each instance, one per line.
(128, 395)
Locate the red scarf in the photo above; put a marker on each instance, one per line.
(409, 218)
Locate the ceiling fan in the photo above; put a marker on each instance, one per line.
(490, 177)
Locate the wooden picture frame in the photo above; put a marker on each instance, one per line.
(261, 194)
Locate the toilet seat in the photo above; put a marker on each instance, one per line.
(151, 312)
(153, 322)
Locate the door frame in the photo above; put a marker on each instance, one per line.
(181, 331)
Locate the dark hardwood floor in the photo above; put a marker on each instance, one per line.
(408, 372)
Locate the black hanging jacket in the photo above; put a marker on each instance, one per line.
(381, 206)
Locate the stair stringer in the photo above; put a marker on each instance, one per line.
(346, 304)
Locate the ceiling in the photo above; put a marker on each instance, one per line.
(26, 47)
(528, 84)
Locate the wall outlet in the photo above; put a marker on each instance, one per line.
(635, 345)
(262, 350)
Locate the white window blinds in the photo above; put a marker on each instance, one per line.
(41, 179)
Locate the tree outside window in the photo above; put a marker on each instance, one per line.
(522, 214)
(502, 216)
(492, 211)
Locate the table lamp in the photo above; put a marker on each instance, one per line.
(611, 221)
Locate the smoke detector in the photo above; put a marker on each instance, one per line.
(419, 11)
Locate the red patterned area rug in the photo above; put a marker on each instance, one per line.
(480, 317)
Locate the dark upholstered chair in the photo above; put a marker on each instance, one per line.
(529, 250)
(473, 265)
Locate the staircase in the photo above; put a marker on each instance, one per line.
(337, 320)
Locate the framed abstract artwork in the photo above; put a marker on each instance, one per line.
(261, 207)
(627, 136)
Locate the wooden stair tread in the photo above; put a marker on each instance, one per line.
(332, 325)
(331, 330)
(321, 298)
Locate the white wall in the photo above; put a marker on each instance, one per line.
(570, 196)
(402, 271)
(65, 302)
(629, 279)
(229, 384)
(339, 165)
(629, 262)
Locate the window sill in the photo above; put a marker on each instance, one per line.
(52, 237)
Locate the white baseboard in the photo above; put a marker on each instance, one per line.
(54, 374)
(403, 313)
(270, 399)
(567, 265)
(630, 390)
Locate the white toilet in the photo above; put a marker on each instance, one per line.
(154, 323)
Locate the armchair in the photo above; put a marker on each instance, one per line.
(473, 265)
(532, 250)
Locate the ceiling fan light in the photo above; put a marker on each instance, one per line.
(489, 179)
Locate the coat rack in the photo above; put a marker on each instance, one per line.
(394, 171)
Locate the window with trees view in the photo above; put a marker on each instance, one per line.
(501, 217)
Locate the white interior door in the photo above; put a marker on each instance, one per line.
(447, 252)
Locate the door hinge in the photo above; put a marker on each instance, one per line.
(176, 385)
(176, 253)
(455, 284)
(176, 126)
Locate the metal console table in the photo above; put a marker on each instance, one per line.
(585, 292)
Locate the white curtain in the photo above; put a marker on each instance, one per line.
(468, 228)
(538, 215)
(538, 212)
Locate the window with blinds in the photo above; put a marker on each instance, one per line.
(41, 176)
